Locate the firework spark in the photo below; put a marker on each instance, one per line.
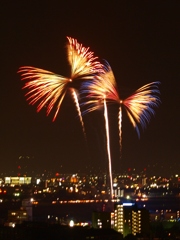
(48, 89)
(82, 61)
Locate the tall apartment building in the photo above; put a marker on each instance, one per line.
(140, 221)
(128, 219)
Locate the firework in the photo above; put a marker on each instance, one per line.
(100, 90)
(139, 106)
(48, 89)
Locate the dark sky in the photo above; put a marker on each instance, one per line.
(140, 40)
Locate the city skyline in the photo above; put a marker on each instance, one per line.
(141, 43)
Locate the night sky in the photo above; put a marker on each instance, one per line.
(140, 40)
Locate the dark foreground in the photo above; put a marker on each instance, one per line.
(38, 231)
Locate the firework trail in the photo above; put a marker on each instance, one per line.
(74, 94)
(48, 89)
(108, 146)
(139, 106)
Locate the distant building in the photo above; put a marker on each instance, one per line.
(119, 218)
(101, 220)
(140, 221)
(28, 207)
(17, 216)
(164, 215)
(128, 219)
(25, 213)
(17, 180)
(118, 193)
